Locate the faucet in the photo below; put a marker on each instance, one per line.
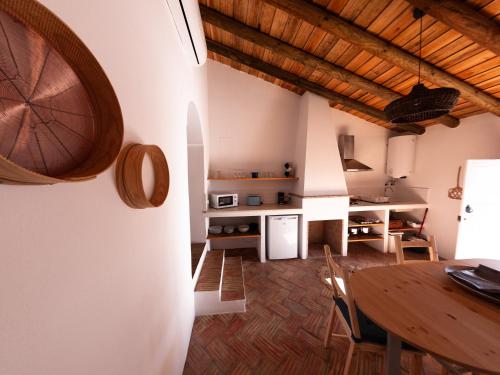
(389, 185)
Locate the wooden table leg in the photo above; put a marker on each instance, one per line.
(393, 355)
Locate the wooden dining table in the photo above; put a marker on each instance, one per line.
(419, 304)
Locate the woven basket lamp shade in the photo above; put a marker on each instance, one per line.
(60, 120)
(421, 103)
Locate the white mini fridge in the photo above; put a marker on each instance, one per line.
(282, 236)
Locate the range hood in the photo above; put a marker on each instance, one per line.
(346, 148)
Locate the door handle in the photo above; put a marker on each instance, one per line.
(468, 209)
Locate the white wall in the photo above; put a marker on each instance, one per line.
(257, 125)
(323, 174)
(88, 285)
(197, 176)
(301, 146)
(370, 148)
(197, 195)
(440, 151)
(252, 128)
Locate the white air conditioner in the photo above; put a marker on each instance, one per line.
(187, 20)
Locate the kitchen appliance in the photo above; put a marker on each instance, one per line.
(282, 236)
(281, 197)
(187, 20)
(254, 200)
(346, 148)
(223, 200)
(401, 155)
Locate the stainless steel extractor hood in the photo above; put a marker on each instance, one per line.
(346, 148)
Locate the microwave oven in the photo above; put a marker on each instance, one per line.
(223, 200)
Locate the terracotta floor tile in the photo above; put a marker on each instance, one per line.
(282, 330)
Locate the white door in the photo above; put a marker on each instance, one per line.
(480, 212)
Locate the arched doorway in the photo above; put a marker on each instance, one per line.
(196, 181)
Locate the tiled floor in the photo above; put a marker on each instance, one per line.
(282, 330)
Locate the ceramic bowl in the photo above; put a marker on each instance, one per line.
(215, 229)
(228, 229)
(243, 228)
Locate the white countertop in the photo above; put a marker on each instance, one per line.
(264, 209)
(291, 209)
(401, 205)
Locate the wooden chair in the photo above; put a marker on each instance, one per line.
(447, 367)
(430, 244)
(363, 334)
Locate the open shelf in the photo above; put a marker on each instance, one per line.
(352, 224)
(364, 237)
(405, 229)
(254, 179)
(235, 234)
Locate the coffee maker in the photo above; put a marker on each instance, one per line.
(281, 198)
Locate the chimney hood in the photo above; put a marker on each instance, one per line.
(346, 148)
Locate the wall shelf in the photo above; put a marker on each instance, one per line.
(364, 237)
(352, 224)
(253, 179)
(405, 229)
(235, 234)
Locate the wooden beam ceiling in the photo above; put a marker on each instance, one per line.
(264, 40)
(307, 85)
(356, 36)
(465, 19)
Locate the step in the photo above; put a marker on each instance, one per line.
(211, 272)
(196, 253)
(208, 287)
(233, 288)
(220, 288)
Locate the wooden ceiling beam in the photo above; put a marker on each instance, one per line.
(465, 19)
(304, 84)
(278, 46)
(355, 35)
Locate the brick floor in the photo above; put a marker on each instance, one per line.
(281, 332)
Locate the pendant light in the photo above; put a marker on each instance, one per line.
(421, 103)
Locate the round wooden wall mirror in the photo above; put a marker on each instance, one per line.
(60, 119)
(129, 176)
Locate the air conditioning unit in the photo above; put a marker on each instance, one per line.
(187, 20)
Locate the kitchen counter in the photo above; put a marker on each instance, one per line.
(261, 212)
(264, 209)
(401, 205)
(382, 211)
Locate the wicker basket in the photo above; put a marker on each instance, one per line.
(62, 121)
(395, 224)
